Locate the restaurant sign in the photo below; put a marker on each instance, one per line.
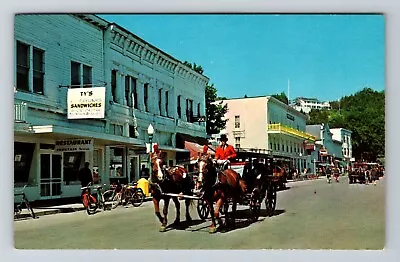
(84, 103)
(74, 145)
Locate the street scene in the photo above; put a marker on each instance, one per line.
(209, 132)
(310, 214)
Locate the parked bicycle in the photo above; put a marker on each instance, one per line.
(23, 203)
(133, 194)
(88, 200)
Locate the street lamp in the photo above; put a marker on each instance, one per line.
(150, 132)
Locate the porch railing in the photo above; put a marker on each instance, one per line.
(291, 131)
(20, 112)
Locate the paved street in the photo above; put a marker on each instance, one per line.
(310, 215)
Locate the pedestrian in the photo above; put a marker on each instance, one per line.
(85, 176)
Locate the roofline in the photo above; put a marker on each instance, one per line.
(104, 24)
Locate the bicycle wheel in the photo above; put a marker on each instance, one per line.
(137, 198)
(116, 200)
(30, 210)
(92, 204)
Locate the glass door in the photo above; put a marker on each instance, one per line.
(50, 175)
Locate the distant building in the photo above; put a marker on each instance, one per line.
(329, 147)
(306, 104)
(344, 136)
(266, 125)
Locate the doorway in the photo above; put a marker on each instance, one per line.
(133, 168)
(50, 175)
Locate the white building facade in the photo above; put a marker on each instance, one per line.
(344, 136)
(265, 124)
(306, 104)
(143, 85)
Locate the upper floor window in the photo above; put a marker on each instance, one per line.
(178, 109)
(24, 66)
(189, 110)
(159, 101)
(81, 75)
(166, 103)
(146, 97)
(38, 70)
(237, 121)
(130, 91)
(135, 94)
(198, 109)
(114, 85)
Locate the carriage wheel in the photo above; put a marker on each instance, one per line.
(255, 206)
(270, 200)
(202, 208)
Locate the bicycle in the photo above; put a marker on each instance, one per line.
(24, 202)
(133, 194)
(114, 195)
(88, 200)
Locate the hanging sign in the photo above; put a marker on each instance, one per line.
(86, 103)
(74, 145)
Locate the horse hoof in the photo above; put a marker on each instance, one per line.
(212, 230)
(162, 229)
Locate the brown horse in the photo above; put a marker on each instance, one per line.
(229, 186)
(172, 180)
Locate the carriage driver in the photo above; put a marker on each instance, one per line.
(224, 152)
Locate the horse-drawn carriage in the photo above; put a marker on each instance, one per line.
(221, 188)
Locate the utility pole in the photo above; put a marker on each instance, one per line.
(288, 91)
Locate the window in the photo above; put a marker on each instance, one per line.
(237, 142)
(179, 107)
(87, 76)
(189, 110)
(146, 96)
(23, 155)
(75, 74)
(78, 79)
(38, 71)
(166, 103)
(237, 121)
(159, 101)
(116, 129)
(198, 109)
(128, 96)
(114, 85)
(116, 162)
(132, 131)
(135, 97)
(24, 65)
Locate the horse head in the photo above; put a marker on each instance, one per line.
(156, 162)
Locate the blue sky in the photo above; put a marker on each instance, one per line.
(323, 56)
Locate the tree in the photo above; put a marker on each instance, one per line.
(282, 97)
(362, 113)
(215, 112)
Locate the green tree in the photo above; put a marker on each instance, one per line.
(214, 111)
(363, 113)
(282, 97)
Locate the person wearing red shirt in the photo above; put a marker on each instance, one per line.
(224, 152)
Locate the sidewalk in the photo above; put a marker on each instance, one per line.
(50, 207)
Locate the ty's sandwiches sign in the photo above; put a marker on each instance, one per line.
(86, 103)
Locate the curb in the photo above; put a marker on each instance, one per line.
(44, 211)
